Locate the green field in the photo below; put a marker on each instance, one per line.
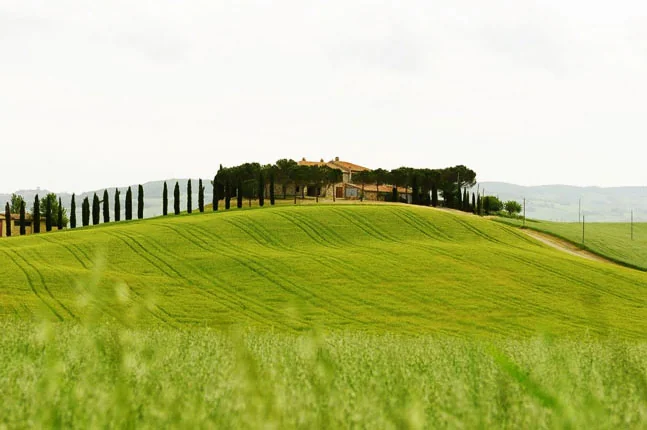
(378, 316)
(611, 240)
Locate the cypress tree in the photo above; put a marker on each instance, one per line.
(117, 206)
(36, 214)
(434, 195)
(106, 206)
(176, 199)
(473, 203)
(216, 194)
(227, 193)
(48, 214)
(200, 196)
(188, 197)
(261, 189)
(459, 203)
(415, 194)
(466, 201)
(7, 217)
(486, 205)
(140, 202)
(129, 204)
(165, 200)
(73, 212)
(85, 212)
(59, 217)
(96, 210)
(272, 182)
(22, 218)
(479, 205)
(239, 194)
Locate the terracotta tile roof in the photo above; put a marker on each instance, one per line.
(382, 188)
(345, 165)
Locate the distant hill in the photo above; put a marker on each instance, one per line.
(152, 196)
(560, 202)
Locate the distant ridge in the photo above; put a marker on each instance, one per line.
(561, 202)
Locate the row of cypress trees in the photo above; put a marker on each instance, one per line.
(101, 207)
(176, 198)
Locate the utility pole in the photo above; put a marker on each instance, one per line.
(583, 222)
(524, 212)
(579, 211)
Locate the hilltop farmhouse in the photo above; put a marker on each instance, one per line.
(15, 225)
(347, 189)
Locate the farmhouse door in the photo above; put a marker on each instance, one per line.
(339, 192)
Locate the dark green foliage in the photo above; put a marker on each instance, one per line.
(36, 214)
(492, 204)
(228, 191)
(140, 202)
(7, 217)
(415, 191)
(53, 202)
(466, 201)
(117, 205)
(22, 218)
(394, 194)
(106, 206)
(59, 215)
(73, 212)
(239, 193)
(261, 189)
(434, 195)
(285, 174)
(96, 210)
(479, 205)
(129, 204)
(189, 193)
(272, 184)
(85, 212)
(176, 199)
(200, 196)
(48, 214)
(215, 191)
(165, 200)
(474, 208)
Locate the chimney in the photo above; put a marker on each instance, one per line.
(336, 158)
(303, 159)
(321, 161)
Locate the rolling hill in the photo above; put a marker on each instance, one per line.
(372, 268)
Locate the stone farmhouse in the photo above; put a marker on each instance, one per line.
(346, 189)
(15, 225)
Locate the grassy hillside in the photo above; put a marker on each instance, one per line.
(316, 317)
(378, 269)
(611, 240)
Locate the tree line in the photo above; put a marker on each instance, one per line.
(253, 181)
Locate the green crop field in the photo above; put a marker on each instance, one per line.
(378, 316)
(611, 240)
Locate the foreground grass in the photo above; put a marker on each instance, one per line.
(610, 240)
(73, 376)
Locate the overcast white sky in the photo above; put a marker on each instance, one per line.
(101, 93)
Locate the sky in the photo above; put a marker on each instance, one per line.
(96, 94)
